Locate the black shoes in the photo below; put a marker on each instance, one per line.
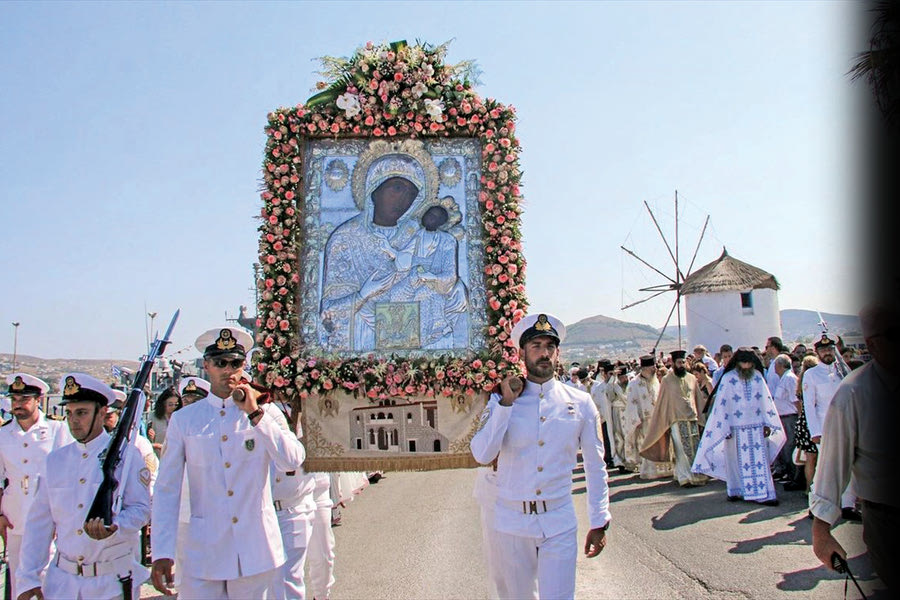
(773, 502)
(733, 498)
(793, 486)
(851, 514)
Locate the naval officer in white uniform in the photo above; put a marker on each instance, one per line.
(25, 442)
(535, 432)
(92, 561)
(233, 547)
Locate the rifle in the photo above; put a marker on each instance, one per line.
(104, 501)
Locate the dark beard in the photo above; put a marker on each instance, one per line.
(746, 374)
(680, 371)
(540, 369)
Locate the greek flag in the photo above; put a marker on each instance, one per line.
(116, 372)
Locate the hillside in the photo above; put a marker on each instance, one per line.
(797, 324)
(52, 369)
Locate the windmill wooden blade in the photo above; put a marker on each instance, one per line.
(666, 324)
(697, 249)
(645, 299)
(646, 263)
(674, 260)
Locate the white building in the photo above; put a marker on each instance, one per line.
(730, 302)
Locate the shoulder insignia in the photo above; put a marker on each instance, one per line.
(145, 477)
(250, 445)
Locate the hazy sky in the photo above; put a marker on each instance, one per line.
(131, 142)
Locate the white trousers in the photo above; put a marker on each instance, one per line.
(536, 568)
(320, 556)
(268, 585)
(296, 528)
(13, 548)
(496, 588)
(13, 551)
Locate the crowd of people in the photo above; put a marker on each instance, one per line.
(655, 407)
(211, 492)
(213, 497)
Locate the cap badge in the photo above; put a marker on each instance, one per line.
(72, 387)
(225, 341)
(190, 387)
(542, 323)
(18, 385)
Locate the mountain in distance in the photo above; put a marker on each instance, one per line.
(52, 369)
(798, 324)
(607, 337)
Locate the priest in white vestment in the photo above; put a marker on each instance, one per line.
(641, 397)
(743, 433)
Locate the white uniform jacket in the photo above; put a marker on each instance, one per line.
(819, 385)
(23, 457)
(537, 441)
(233, 531)
(64, 497)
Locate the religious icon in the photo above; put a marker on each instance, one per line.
(391, 275)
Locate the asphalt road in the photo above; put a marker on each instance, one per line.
(418, 536)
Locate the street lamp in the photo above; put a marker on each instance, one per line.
(15, 342)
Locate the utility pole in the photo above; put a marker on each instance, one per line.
(15, 342)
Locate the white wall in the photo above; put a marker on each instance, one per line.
(718, 318)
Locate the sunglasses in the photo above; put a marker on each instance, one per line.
(234, 363)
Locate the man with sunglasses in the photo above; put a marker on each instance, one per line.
(25, 442)
(233, 546)
(858, 441)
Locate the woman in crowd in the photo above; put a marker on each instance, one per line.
(802, 438)
(167, 402)
(704, 383)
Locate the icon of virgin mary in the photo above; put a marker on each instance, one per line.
(369, 258)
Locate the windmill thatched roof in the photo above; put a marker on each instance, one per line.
(727, 274)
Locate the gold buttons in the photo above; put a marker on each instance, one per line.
(80, 531)
(538, 492)
(234, 519)
(540, 442)
(543, 419)
(81, 506)
(24, 460)
(231, 492)
(80, 559)
(540, 469)
(224, 438)
(84, 455)
(81, 481)
(25, 444)
(222, 413)
(228, 465)
(278, 480)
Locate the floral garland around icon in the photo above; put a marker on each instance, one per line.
(392, 91)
